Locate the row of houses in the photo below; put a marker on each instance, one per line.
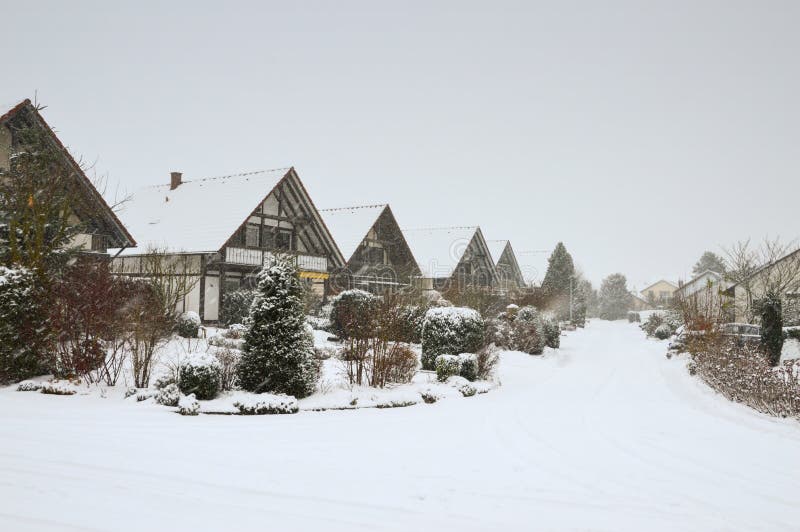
(734, 300)
(218, 232)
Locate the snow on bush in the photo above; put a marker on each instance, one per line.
(188, 324)
(468, 366)
(200, 375)
(450, 331)
(169, 395)
(446, 366)
(487, 360)
(461, 384)
(236, 305)
(528, 331)
(29, 386)
(20, 316)
(278, 353)
(663, 331)
(552, 332)
(58, 387)
(236, 331)
(353, 314)
(188, 405)
(265, 403)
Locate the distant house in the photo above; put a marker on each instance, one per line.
(377, 256)
(509, 273)
(784, 272)
(222, 230)
(706, 283)
(100, 228)
(638, 304)
(452, 257)
(659, 293)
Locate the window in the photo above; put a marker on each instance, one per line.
(276, 238)
(99, 243)
(251, 236)
(375, 255)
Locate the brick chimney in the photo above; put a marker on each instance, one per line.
(175, 180)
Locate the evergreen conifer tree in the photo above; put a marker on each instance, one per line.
(615, 300)
(278, 352)
(556, 283)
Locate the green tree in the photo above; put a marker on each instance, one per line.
(556, 283)
(614, 298)
(278, 352)
(709, 261)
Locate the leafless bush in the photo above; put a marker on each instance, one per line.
(488, 359)
(228, 360)
(743, 374)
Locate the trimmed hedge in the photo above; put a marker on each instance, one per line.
(450, 331)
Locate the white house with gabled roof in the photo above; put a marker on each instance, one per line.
(509, 273)
(378, 258)
(222, 230)
(452, 257)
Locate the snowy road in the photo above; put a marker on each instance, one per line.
(605, 435)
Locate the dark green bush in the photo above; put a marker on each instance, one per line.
(450, 331)
(200, 375)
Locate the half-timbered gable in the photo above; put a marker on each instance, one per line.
(378, 257)
(509, 273)
(231, 226)
(452, 256)
(99, 227)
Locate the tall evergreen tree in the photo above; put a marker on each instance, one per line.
(615, 300)
(278, 352)
(709, 261)
(556, 283)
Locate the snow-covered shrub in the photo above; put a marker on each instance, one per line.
(229, 359)
(552, 332)
(528, 334)
(353, 314)
(29, 386)
(236, 306)
(325, 352)
(222, 341)
(663, 331)
(21, 316)
(200, 375)
(188, 405)
(466, 388)
(278, 354)
(430, 395)
(188, 324)
(634, 317)
(468, 366)
(168, 395)
(652, 323)
(59, 387)
(236, 331)
(450, 331)
(265, 403)
(318, 323)
(413, 318)
(487, 360)
(447, 366)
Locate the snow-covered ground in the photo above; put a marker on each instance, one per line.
(605, 434)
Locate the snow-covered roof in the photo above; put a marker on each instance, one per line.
(496, 248)
(349, 225)
(438, 250)
(199, 215)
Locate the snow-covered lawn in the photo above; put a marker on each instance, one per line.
(605, 434)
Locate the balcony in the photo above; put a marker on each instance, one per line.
(260, 257)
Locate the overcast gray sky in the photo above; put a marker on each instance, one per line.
(638, 133)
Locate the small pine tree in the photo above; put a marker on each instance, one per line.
(556, 283)
(772, 328)
(615, 300)
(278, 352)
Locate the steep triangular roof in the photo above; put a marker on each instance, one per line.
(350, 225)
(439, 250)
(100, 210)
(200, 215)
(501, 249)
